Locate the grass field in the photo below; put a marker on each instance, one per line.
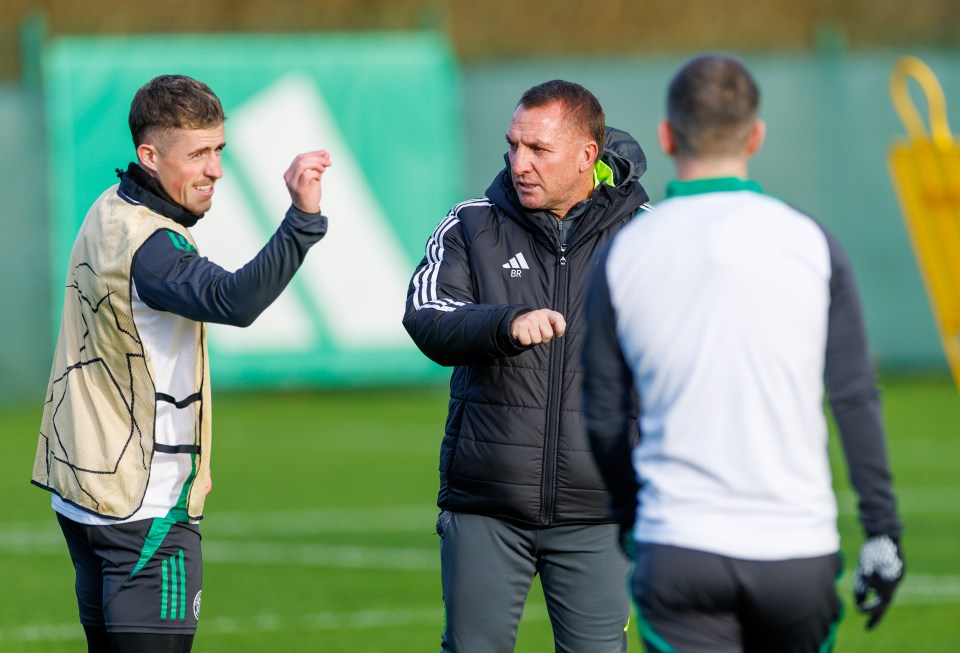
(319, 530)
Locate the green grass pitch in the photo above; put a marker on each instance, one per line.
(319, 531)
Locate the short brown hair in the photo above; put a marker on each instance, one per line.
(712, 104)
(583, 110)
(173, 102)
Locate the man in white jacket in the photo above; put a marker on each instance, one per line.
(725, 309)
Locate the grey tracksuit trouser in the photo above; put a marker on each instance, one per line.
(488, 565)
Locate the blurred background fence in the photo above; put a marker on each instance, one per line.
(432, 134)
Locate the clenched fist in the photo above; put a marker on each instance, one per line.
(537, 327)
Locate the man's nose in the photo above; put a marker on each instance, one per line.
(214, 168)
(520, 160)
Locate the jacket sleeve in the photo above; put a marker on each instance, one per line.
(610, 402)
(855, 401)
(171, 276)
(442, 316)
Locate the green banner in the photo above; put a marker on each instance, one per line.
(386, 107)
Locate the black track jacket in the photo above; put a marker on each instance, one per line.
(515, 445)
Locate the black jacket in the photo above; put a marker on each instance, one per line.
(515, 445)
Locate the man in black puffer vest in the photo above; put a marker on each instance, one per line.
(500, 295)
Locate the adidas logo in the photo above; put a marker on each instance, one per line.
(516, 264)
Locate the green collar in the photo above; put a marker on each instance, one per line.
(602, 174)
(678, 188)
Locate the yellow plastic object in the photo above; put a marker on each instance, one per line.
(926, 175)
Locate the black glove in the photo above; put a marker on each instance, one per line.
(879, 571)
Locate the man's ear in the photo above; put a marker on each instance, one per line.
(588, 156)
(665, 135)
(757, 135)
(147, 155)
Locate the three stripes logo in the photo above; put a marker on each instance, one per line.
(516, 264)
(181, 243)
(173, 596)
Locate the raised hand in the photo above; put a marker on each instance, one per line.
(303, 179)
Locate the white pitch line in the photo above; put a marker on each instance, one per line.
(45, 536)
(268, 623)
(320, 555)
(38, 539)
(331, 520)
(226, 540)
(259, 553)
(918, 589)
(911, 500)
(42, 633)
(415, 518)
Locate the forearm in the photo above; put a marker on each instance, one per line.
(189, 285)
(464, 335)
(242, 296)
(862, 437)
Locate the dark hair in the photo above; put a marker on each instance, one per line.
(173, 102)
(712, 105)
(582, 108)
